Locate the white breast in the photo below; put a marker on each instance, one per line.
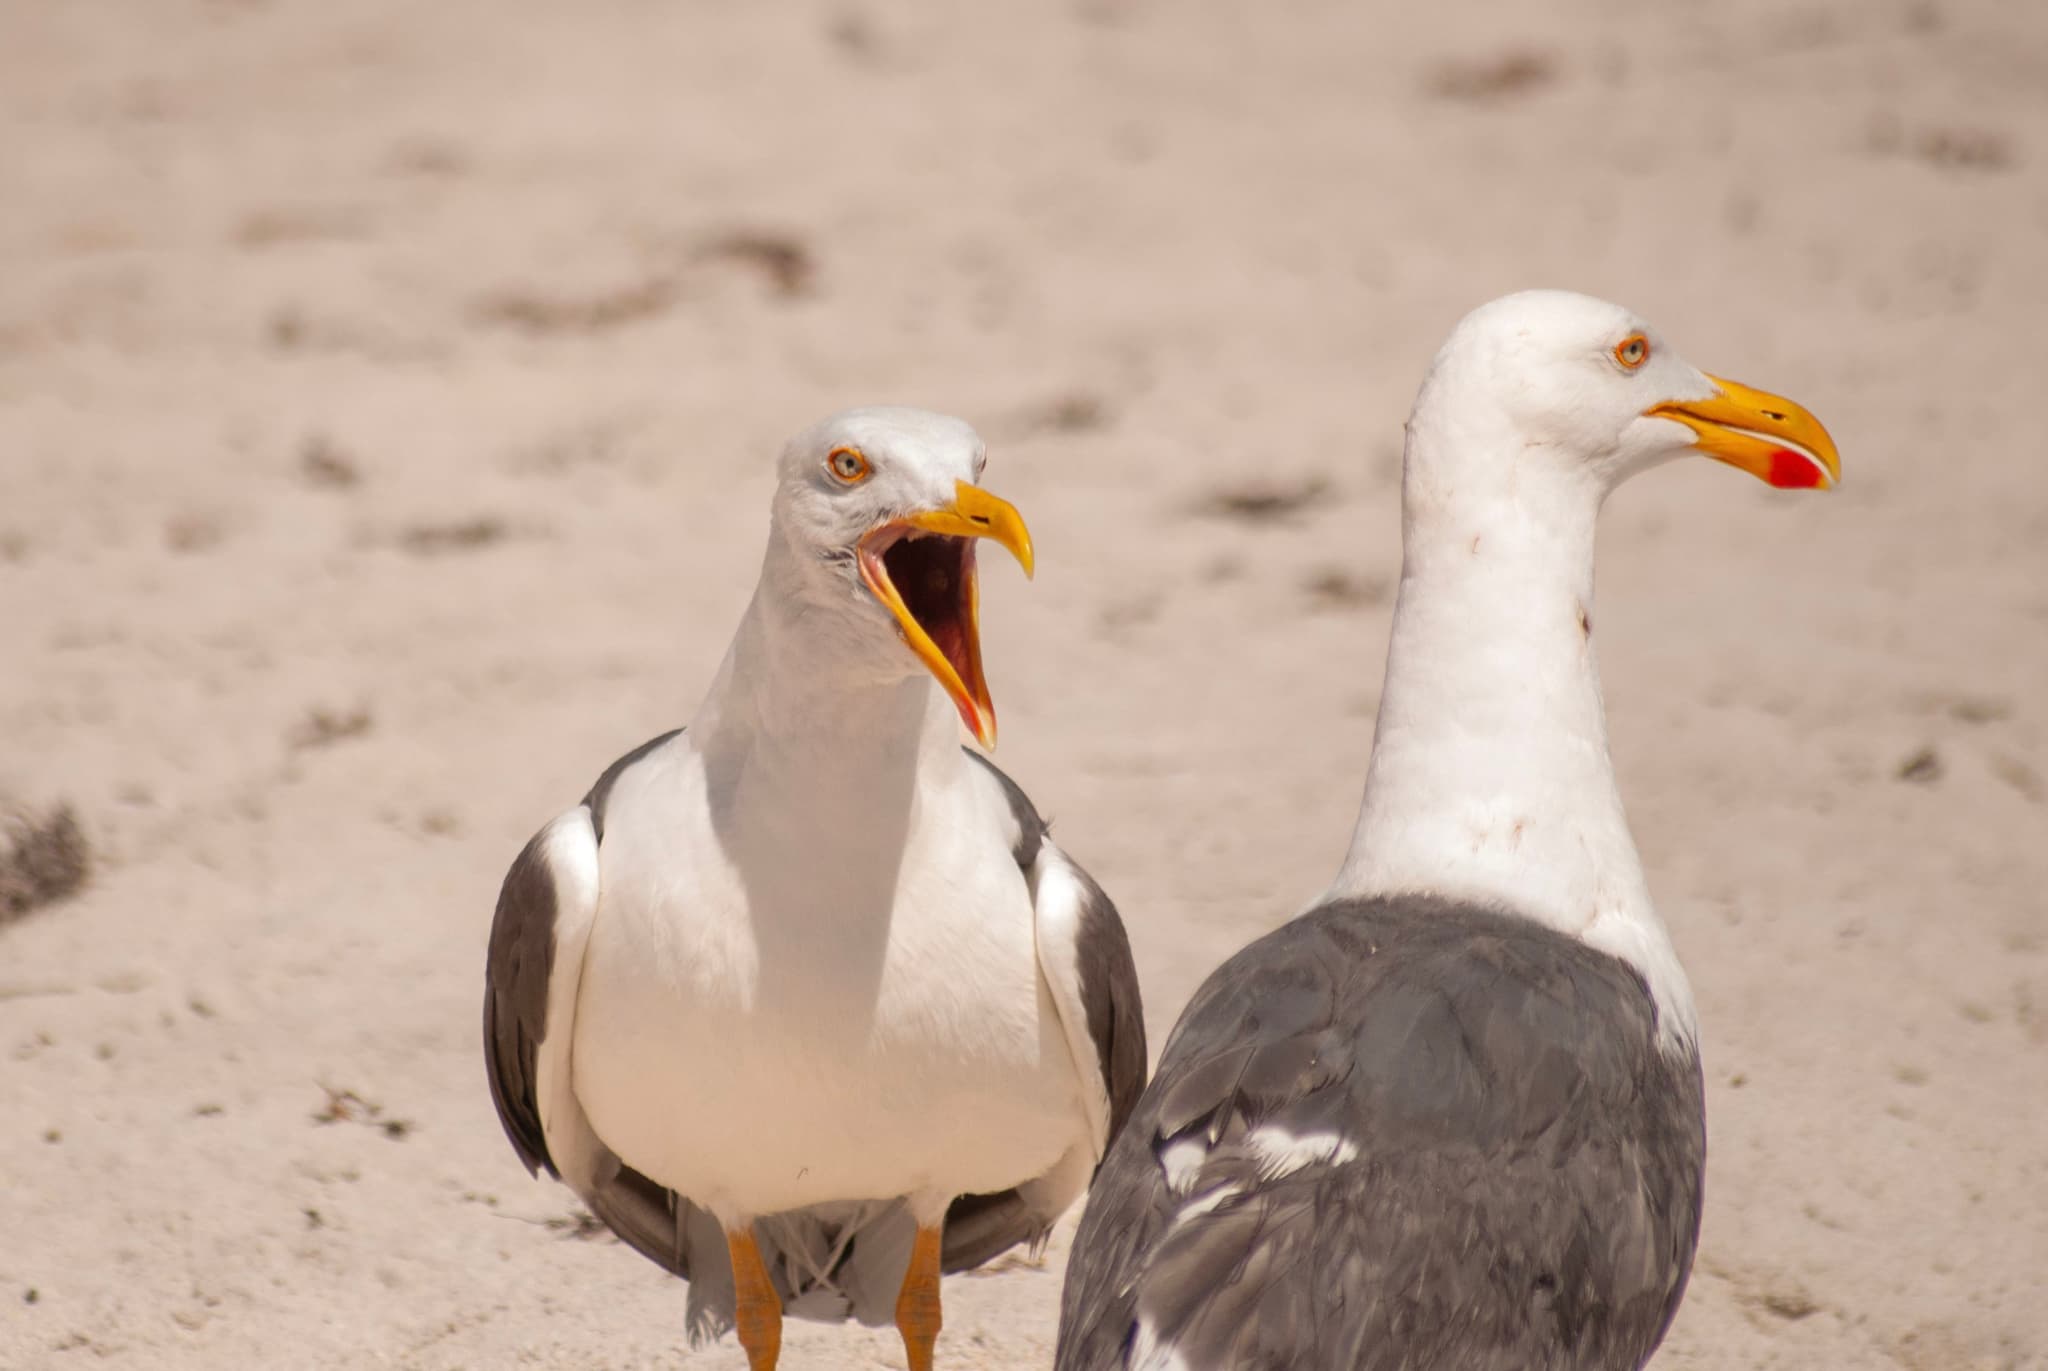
(764, 1029)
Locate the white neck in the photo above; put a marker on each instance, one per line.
(1490, 777)
(819, 727)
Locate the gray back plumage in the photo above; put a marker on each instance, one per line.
(1493, 1163)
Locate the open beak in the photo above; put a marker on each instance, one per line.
(922, 568)
(1771, 438)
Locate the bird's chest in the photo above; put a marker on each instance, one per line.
(816, 936)
(755, 1013)
(818, 953)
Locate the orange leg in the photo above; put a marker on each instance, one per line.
(917, 1307)
(757, 1308)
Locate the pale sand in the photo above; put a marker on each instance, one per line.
(537, 280)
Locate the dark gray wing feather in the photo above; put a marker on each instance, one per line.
(516, 971)
(1510, 1175)
(981, 1227)
(1116, 1012)
(522, 953)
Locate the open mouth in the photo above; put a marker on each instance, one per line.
(921, 567)
(927, 581)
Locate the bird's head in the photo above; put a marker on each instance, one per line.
(1588, 385)
(882, 507)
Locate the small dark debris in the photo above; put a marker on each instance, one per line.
(30, 1295)
(1737, 1081)
(1793, 1304)
(196, 532)
(578, 1225)
(53, 1135)
(1979, 709)
(439, 823)
(209, 1111)
(323, 727)
(1075, 412)
(1499, 77)
(200, 1008)
(288, 328)
(43, 859)
(1263, 502)
(1922, 768)
(852, 32)
(346, 1106)
(1336, 588)
(464, 535)
(283, 225)
(325, 466)
(784, 260)
(1959, 149)
(314, 1218)
(599, 312)
(2020, 777)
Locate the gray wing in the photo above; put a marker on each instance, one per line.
(1394, 1134)
(516, 969)
(518, 974)
(981, 1227)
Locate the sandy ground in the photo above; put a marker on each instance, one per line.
(387, 395)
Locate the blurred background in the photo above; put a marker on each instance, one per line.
(388, 396)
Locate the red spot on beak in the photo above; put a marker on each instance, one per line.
(1792, 471)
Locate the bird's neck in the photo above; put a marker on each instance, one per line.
(823, 711)
(819, 729)
(1490, 776)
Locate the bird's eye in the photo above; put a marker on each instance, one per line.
(1632, 351)
(848, 464)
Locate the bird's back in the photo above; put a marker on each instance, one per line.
(1398, 1132)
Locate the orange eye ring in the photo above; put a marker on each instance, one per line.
(1632, 351)
(849, 464)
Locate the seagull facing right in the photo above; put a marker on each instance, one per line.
(1451, 1117)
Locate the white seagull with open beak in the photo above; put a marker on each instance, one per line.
(803, 1002)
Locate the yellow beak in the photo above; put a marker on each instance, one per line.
(921, 567)
(1771, 438)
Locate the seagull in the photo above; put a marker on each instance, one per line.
(804, 1002)
(1451, 1117)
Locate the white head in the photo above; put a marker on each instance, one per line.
(1587, 390)
(1490, 775)
(879, 512)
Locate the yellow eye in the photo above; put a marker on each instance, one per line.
(848, 464)
(1632, 351)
